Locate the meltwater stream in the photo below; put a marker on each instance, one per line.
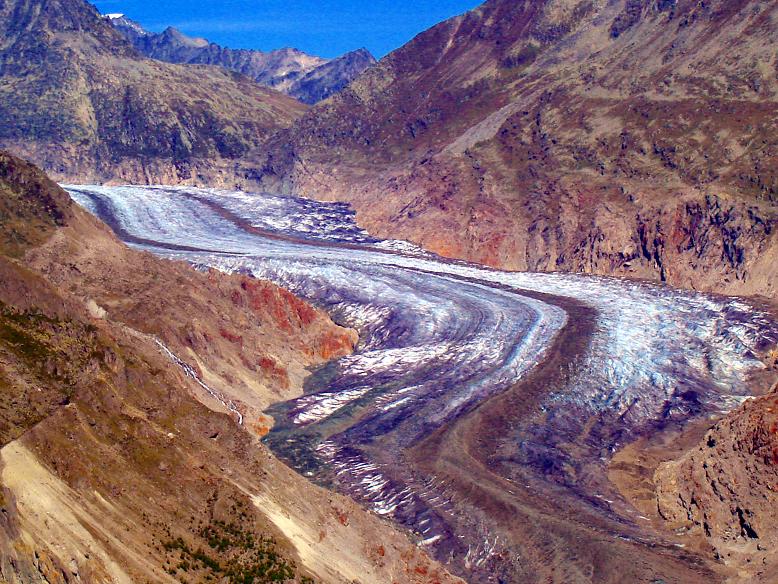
(438, 340)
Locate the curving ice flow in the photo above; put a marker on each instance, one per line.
(439, 338)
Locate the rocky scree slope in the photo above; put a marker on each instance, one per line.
(117, 466)
(77, 99)
(629, 137)
(307, 78)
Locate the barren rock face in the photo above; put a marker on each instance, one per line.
(727, 488)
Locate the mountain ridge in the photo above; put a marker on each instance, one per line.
(305, 77)
(529, 128)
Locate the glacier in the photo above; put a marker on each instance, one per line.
(439, 338)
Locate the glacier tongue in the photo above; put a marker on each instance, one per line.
(439, 338)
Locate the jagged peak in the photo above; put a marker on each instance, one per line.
(175, 35)
(126, 25)
(362, 53)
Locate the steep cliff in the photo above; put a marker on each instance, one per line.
(726, 490)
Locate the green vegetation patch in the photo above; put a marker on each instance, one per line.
(22, 334)
(232, 553)
(57, 351)
(43, 361)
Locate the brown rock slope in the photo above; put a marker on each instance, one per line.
(114, 464)
(76, 98)
(726, 490)
(305, 77)
(629, 137)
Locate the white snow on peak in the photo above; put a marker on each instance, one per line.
(114, 16)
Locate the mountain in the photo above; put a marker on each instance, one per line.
(724, 486)
(632, 137)
(327, 79)
(307, 78)
(116, 463)
(76, 98)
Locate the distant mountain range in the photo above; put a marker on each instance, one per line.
(307, 78)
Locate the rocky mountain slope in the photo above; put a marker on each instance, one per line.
(117, 463)
(305, 77)
(633, 137)
(725, 489)
(76, 98)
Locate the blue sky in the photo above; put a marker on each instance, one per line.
(322, 27)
